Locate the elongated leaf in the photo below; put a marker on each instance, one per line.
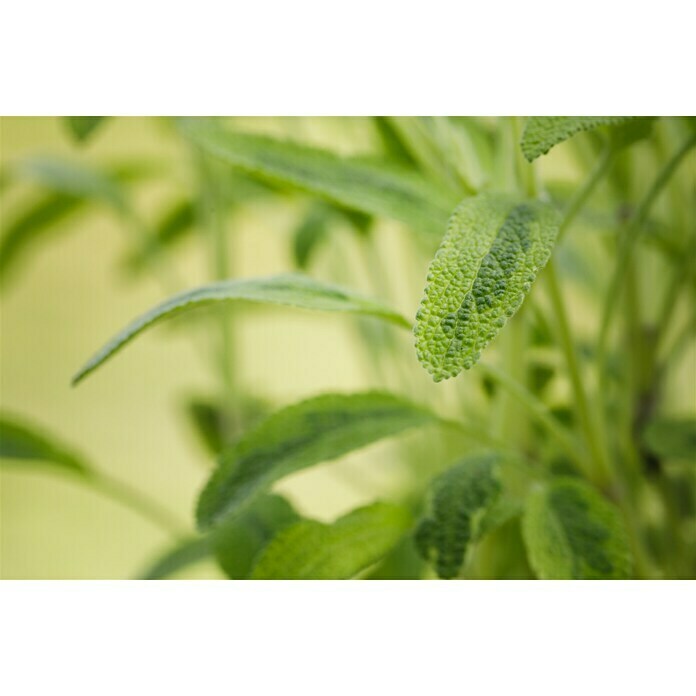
(82, 127)
(541, 133)
(238, 542)
(369, 187)
(290, 290)
(492, 251)
(183, 555)
(571, 532)
(459, 499)
(311, 550)
(22, 442)
(309, 234)
(672, 438)
(314, 431)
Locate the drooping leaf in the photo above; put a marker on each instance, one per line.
(181, 556)
(81, 128)
(365, 186)
(288, 289)
(492, 251)
(314, 431)
(20, 441)
(572, 532)
(541, 133)
(459, 499)
(310, 550)
(672, 438)
(238, 542)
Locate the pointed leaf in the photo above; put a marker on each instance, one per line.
(183, 555)
(492, 251)
(289, 289)
(82, 127)
(460, 497)
(572, 532)
(672, 438)
(311, 550)
(541, 133)
(369, 187)
(314, 431)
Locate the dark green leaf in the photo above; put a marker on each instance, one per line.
(309, 234)
(310, 550)
(82, 127)
(314, 431)
(572, 532)
(672, 438)
(183, 555)
(290, 290)
(492, 252)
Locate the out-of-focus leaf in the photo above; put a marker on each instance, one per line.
(309, 234)
(672, 438)
(21, 442)
(310, 550)
(181, 556)
(572, 532)
(314, 431)
(365, 186)
(289, 289)
(81, 128)
(392, 142)
(238, 542)
(402, 563)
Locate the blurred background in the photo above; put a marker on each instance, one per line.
(77, 284)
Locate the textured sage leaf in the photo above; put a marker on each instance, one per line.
(288, 289)
(492, 251)
(572, 532)
(81, 128)
(541, 133)
(311, 550)
(672, 438)
(181, 556)
(365, 186)
(238, 542)
(314, 431)
(459, 499)
(21, 442)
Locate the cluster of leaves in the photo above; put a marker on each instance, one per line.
(448, 180)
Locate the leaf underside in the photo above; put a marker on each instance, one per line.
(492, 252)
(314, 431)
(311, 550)
(572, 532)
(541, 133)
(289, 289)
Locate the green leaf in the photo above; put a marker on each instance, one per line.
(288, 289)
(541, 133)
(309, 234)
(365, 186)
(460, 497)
(672, 438)
(238, 542)
(572, 532)
(22, 442)
(314, 431)
(82, 127)
(311, 550)
(183, 555)
(492, 251)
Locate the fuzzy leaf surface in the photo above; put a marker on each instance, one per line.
(314, 431)
(572, 532)
(311, 550)
(292, 290)
(492, 252)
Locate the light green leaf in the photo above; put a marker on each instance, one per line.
(492, 251)
(365, 186)
(288, 289)
(238, 542)
(314, 431)
(572, 532)
(460, 498)
(82, 127)
(311, 550)
(181, 556)
(541, 133)
(672, 438)
(22, 442)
